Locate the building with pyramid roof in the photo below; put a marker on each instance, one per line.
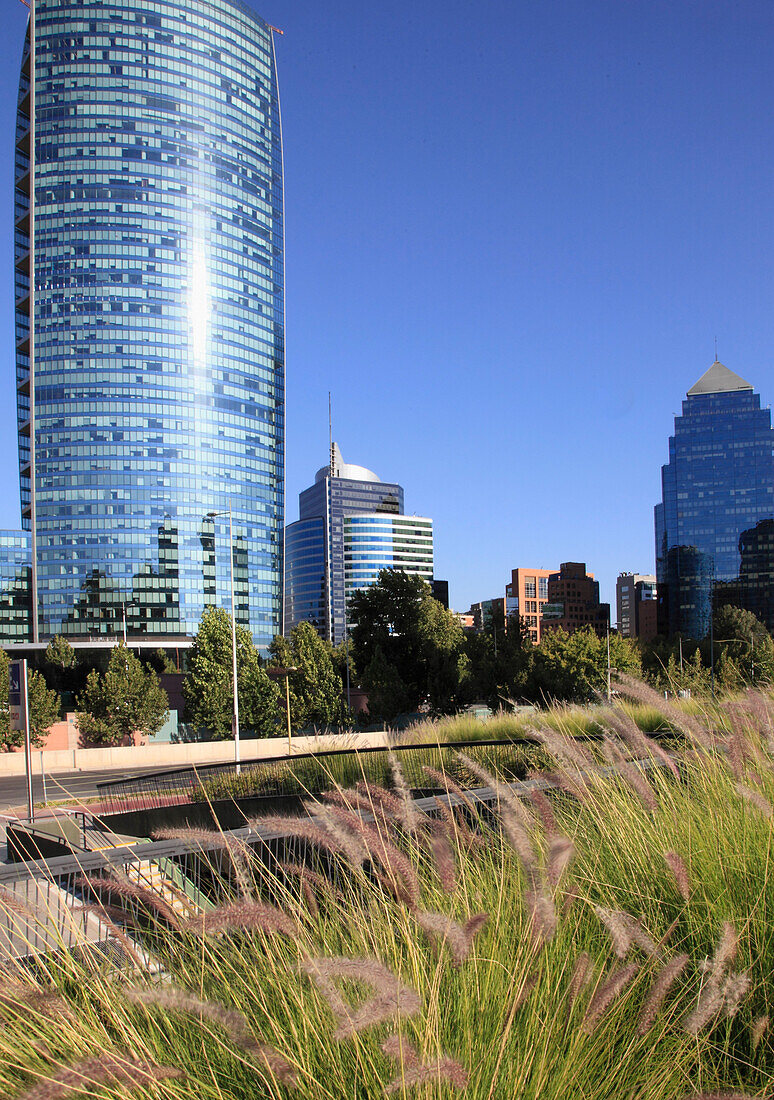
(717, 499)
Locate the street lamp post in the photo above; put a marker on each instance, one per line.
(276, 673)
(235, 712)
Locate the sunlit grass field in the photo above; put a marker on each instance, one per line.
(610, 938)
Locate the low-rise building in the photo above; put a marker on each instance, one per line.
(526, 595)
(573, 601)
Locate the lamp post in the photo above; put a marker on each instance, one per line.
(235, 712)
(276, 673)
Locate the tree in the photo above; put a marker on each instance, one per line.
(126, 699)
(573, 667)
(402, 636)
(500, 663)
(43, 708)
(742, 639)
(60, 653)
(208, 689)
(315, 690)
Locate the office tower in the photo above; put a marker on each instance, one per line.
(573, 601)
(718, 489)
(526, 595)
(351, 525)
(149, 315)
(635, 598)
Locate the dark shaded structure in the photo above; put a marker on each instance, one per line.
(717, 496)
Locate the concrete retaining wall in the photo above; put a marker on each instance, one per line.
(126, 758)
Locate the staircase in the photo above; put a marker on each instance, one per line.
(167, 881)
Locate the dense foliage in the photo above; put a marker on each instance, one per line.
(43, 708)
(126, 699)
(208, 686)
(315, 687)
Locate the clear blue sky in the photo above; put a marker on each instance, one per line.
(513, 231)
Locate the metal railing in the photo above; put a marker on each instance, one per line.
(310, 773)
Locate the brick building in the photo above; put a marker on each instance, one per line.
(573, 601)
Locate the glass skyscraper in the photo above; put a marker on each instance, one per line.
(714, 524)
(150, 315)
(351, 526)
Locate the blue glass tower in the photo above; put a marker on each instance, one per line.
(150, 314)
(713, 526)
(351, 526)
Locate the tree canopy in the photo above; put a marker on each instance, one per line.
(208, 689)
(43, 705)
(126, 699)
(408, 647)
(315, 689)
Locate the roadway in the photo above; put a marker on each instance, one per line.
(59, 787)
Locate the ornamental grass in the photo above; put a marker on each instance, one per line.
(597, 941)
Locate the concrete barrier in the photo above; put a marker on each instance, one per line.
(125, 758)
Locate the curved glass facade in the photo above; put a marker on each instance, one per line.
(157, 389)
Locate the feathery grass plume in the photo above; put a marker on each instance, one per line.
(761, 713)
(735, 989)
(630, 773)
(607, 994)
(174, 999)
(400, 872)
(565, 749)
(759, 1028)
(13, 904)
(24, 997)
(542, 913)
(392, 998)
(378, 797)
(238, 851)
(665, 979)
(581, 973)
(542, 804)
(630, 733)
(641, 692)
(443, 858)
(712, 996)
(117, 883)
(560, 852)
(680, 874)
(248, 915)
(618, 927)
(517, 822)
(342, 826)
(720, 1096)
(310, 831)
(452, 787)
(726, 951)
(415, 1072)
(755, 798)
(457, 937)
(411, 817)
(735, 746)
(107, 1069)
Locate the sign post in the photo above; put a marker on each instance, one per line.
(19, 711)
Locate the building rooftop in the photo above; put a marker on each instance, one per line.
(345, 469)
(718, 379)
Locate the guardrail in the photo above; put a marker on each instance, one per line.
(55, 884)
(307, 773)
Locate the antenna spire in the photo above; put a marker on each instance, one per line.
(716, 349)
(330, 437)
